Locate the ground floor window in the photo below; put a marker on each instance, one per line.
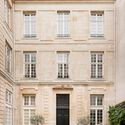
(28, 113)
(96, 109)
(28, 108)
(9, 108)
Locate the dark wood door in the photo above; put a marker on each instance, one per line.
(62, 109)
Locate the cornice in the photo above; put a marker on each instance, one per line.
(86, 1)
(7, 77)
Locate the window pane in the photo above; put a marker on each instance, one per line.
(33, 100)
(26, 100)
(8, 56)
(63, 66)
(100, 100)
(30, 65)
(97, 65)
(93, 100)
(92, 117)
(93, 70)
(99, 116)
(66, 71)
(32, 111)
(27, 70)
(60, 71)
(29, 100)
(99, 71)
(26, 116)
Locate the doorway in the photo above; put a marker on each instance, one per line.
(62, 109)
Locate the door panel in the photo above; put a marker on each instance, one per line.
(62, 109)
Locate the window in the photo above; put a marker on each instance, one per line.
(30, 24)
(7, 11)
(29, 100)
(28, 108)
(96, 109)
(97, 24)
(8, 57)
(30, 64)
(63, 65)
(63, 24)
(9, 109)
(97, 64)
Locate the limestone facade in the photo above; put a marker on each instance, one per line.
(6, 67)
(120, 31)
(46, 86)
(37, 90)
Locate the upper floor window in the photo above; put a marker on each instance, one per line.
(8, 57)
(63, 65)
(97, 64)
(63, 24)
(7, 11)
(8, 97)
(30, 64)
(97, 24)
(96, 109)
(30, 24)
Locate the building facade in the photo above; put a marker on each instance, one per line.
(120, 31)
(60, 59)
(64, 57)
(6, 63)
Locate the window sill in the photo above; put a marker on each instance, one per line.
(30, 38)
(24, 78)
(63, 79)
(63, 37)
(8, 27)
(29, 106)
(96, 79)
(9, 73)
(96, 38)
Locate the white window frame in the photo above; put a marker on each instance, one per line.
(97, 107)
(29, 24)
(96, 63)
(30, 64)
(63, 23)
(28, 107)
(9, 108)
(7, 11)
(97, 25)
(8, 58)
(29, 100)
(64, 60)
